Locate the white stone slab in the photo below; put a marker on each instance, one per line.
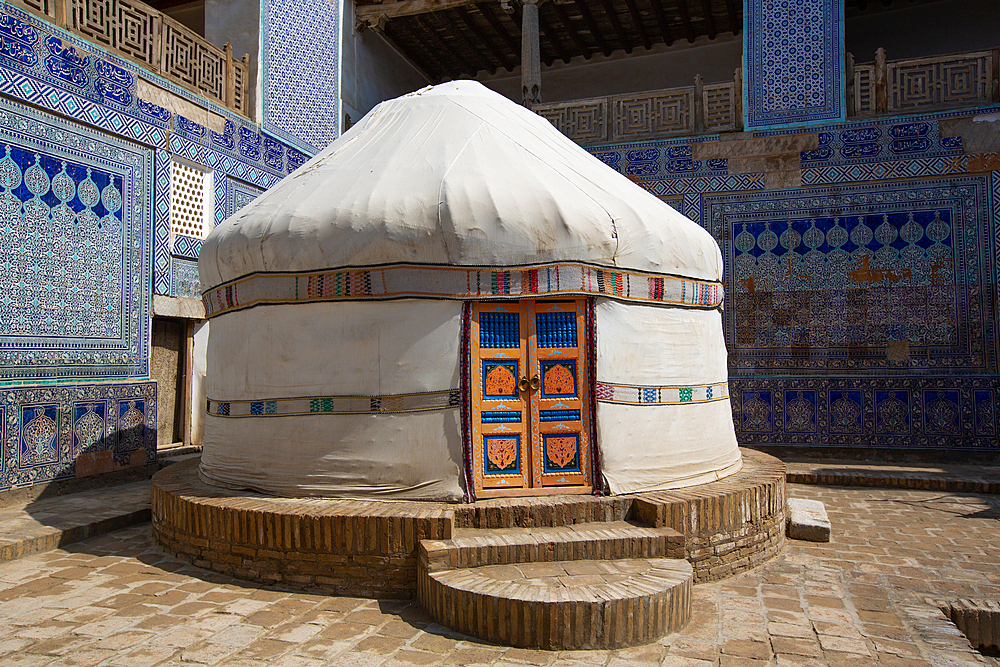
(807, 520)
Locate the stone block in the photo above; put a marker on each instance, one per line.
(745, 145)
(980, 134)
(807, 520)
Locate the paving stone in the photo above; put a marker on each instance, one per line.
(207, 653)
(747, 649)
(142, 656)
(343, 630)
(952, 550)
(240, 634)
(295, 632)
(796, 646)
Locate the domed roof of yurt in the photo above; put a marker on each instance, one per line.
(339, 353)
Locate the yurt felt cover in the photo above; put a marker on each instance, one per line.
(449, 193)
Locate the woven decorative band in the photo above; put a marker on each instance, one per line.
(629, 394)
(450, 282)
(338, 405)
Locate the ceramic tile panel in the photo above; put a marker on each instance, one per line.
(76, 208)
(49, 433)
(793, 54)
(299, 66)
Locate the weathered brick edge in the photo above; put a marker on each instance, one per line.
(729, 526)
(60, 537)
(542, 511)
(639, 611)
(550, 545)
(365, 549)
(979, 620)
(897, 481)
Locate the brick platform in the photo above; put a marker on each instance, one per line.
(369, 548)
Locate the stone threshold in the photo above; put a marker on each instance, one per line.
(51, 516)
(54, 522)
(937, 477)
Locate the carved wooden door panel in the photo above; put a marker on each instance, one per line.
(529, 399)
(559, 404)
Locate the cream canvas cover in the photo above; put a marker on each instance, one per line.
(334, 360)
(455, 174)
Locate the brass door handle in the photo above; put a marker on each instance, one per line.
(535, 382)
(523, 384)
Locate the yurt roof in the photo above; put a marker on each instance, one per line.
(455, 174)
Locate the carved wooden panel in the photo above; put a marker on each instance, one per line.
(864, 89)
(131, 28)
(943, 81)
(193, 61)
(583, 121)
(137, 31)
(720, 107)
(40, 6)
(650, 115)
(239, 101)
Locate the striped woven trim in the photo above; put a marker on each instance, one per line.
(629, 394)
(338, 405)
(451, 282)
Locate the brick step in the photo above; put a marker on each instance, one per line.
(541, 511)
(587, 541)
(566, 605)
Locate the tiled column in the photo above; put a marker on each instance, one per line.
(793, 59)
(299, 83)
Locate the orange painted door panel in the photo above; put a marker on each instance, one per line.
(529, 398)
(559, 402)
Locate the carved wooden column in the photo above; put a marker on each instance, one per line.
(531, 64)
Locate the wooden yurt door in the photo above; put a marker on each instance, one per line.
(530, 401)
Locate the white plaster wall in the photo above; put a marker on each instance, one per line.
(373, 70)
(661, 67)
(199, 367)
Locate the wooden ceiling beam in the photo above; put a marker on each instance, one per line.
(706, 6)
(486, 9)
(573, 33)
(682, 9)
(453, 66)
(553, 37)
(661, 19)
(595, 29)
(376, 14)
(505, 59)
(617, 25)
(484, 61)
(734, 20)
(426, 60)
(637, 19)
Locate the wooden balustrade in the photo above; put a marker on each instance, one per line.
(922, 84)
(649, 115)
(136, 31)
(880, 87)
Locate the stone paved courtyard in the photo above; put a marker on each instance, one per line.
(860, 600)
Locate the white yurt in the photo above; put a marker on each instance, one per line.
(453, 301)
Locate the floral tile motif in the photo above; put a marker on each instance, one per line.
(75, 207)
(50, 433)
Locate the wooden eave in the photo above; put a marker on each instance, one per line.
(454, 38)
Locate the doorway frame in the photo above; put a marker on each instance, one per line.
(585, 375)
